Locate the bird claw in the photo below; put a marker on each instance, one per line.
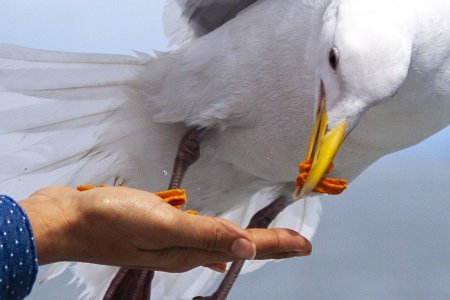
(327, 185)
(175, 197)
(88, 187)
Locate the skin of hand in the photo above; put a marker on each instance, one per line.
(127, 227)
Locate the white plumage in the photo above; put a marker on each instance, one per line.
(117, 120)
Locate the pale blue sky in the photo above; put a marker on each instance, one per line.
(387, 237)
(110, 26)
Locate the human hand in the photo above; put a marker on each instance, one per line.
(127, 227)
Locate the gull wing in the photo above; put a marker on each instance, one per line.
(188, 19)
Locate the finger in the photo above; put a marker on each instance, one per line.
(275, 243)
(271, 243)
(215, 234)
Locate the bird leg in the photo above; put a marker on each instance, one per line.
(187, 154)
(260, 219)
(133, 284)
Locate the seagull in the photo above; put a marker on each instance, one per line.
(349, 81)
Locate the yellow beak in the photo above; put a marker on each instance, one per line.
(322, 148)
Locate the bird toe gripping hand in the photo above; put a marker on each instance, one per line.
(175, 197)
(88, 187)
(327, 185)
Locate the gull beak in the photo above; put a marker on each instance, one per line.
(323, 146)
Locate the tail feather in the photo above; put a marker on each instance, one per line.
(54, 271)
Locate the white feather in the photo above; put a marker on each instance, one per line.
(51, 104)
(54, 270)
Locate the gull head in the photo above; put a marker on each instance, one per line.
(363, 57)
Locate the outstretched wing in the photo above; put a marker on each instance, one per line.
(188, 19)
(60, 114)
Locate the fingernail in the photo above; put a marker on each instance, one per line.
(221, 268)
(302, 245)
(244, 248)
(308, 248)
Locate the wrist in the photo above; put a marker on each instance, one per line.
(52, 215)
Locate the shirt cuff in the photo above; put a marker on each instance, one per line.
(18, 260)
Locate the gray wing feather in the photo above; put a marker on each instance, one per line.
(206, 16)
(185, 20)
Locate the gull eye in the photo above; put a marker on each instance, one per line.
(333, 58)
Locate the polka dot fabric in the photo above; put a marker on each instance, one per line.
(18, 262)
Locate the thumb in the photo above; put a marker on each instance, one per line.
(217, 235)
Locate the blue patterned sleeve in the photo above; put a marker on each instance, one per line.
(18, 262)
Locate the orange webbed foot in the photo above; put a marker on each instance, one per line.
(327, 185)
(175, 197)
